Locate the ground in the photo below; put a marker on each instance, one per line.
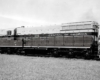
(15, 67)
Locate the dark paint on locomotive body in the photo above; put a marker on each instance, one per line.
(74, 44)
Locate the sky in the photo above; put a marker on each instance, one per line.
(28, 13)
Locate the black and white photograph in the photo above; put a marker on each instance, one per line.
(49, 39)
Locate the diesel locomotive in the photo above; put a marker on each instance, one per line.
(77, 39)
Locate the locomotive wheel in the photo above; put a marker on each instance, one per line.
(87, 56)
(55, 53)
(70, 54)
(8, 51)
(22, 52)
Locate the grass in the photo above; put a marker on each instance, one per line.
(13, 67)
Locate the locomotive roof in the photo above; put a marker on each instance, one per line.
(86, 26)
(40, 30)
(80, 25)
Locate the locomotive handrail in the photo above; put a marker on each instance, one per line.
(77, 29)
